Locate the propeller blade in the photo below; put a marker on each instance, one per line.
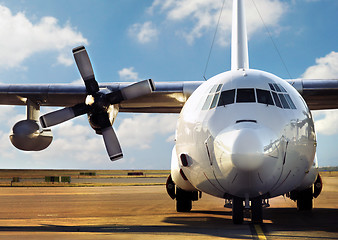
(86, 70)
(112, 144)
(138, 89)
(132, 91)
(110, 139)
(62, 115)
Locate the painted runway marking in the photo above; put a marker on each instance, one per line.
(260, 233)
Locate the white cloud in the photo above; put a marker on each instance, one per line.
(9, 115)
(6, 149)
(128, 74)
(202, 16)
(327, 124)
(140, 130)
(78, 81)
(21, 38)
(144, 33)
(65, 60)
(325, 68)
(75, 140)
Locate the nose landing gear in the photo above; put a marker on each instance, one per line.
(238, 210)
(256, 210)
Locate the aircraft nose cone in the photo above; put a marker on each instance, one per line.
(241, 147)
(247, 150)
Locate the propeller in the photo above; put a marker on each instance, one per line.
(98, 108)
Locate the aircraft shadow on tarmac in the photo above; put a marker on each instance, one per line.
(319, 219)
(218, 225)
(276, 220)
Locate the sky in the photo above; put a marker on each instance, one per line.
(165, 40)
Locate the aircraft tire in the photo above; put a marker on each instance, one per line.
(183, 205)
(183, 200)
(304, 200)
(256, 210)
(237, 210)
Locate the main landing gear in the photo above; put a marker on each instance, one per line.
(183, 198)
(304, 198)
(238, 210)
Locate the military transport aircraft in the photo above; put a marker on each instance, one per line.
(243, 135)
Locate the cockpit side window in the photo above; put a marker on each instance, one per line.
(227, 97)
(245, 95)
(215, 100)
(213, 89)
(276, 87)
(281, 88)
(219, 87)
(277, 101)
(290, 102)
(282, 98)
(216, 96)
(207, 102)
(284, 101)
(212, 97)
(264, 96)
(272, 87)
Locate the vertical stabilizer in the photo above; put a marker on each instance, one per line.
(239, 41)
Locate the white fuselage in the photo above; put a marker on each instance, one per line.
(245, 133)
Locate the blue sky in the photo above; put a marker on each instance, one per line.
(166, 40)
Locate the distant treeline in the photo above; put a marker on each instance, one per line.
(324, 169)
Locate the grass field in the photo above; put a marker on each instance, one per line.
(87, 178)
(28, 173)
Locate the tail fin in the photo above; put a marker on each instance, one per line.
(239, 41)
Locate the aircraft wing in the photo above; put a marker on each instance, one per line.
(169, 97)
(319, 94)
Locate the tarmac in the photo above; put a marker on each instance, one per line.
(145, 212)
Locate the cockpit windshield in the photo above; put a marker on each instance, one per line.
(276, 96)
(227, 97)
(264, 96)
(245, 95)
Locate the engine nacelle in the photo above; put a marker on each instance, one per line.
(28, 135)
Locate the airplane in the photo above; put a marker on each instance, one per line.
(244, 135)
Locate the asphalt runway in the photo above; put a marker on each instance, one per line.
(145, 212)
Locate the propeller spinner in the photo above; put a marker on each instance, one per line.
(98, 109)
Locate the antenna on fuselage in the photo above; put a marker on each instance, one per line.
(213, 41)
(239, 39)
